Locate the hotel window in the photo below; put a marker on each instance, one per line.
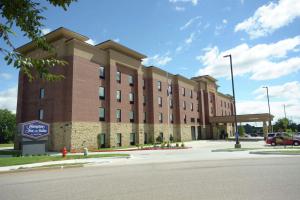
(170, 90)
(41, 114)
(101, 93)
(184, 105)
(171, 103)
(130, 80)
(144, 84)
(198, 120)
(144, 100)
(119, 139)
(101, 114)
(102, 140)
(118, 95)
(118, 77)
(184, 119)
(192, 106)
(101, 72)
(42, 93)
(183, 91)
(225, 104)
(132, 138)
(222, 113)
(118, 115)
(171, 118)
(197, 95)
(197, 107)
(160, 117)
(131, 98)
(131, 116)
(191, 93)
(160, 101)
(159, 85)
(221, 103)
(145, 116)
(192, 119)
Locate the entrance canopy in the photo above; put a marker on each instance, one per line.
(263, 117)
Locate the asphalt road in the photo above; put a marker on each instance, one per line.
(256, 178)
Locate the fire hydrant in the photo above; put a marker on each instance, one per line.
(64, 152)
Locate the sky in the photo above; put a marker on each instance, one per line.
(190, 37)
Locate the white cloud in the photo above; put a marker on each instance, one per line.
(158, 60)
(190, 39)
(270, 17)
(91, 41)
(193, 2)
(179, 8)
(45, 31)
(224, 21)
(262, 61)
(189, 23)
(5, 76)
(279, 95)
(8, 99)
(116, 40)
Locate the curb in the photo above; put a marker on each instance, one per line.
(274, 153)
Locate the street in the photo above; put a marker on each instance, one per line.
(254, 178)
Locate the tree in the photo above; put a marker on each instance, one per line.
(241, 130)
(7, 126)
(27, 16)
(284, 124)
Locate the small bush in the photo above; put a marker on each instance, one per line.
(182, 144)
(177, 145)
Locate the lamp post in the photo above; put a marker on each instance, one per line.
(237, 143)
(270, 121)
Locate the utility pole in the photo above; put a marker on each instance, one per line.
(237, 143)
(270, 121)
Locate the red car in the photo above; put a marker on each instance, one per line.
(283, 139)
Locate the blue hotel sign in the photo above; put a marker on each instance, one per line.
(35, 129)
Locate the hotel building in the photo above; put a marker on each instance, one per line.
(108, 98)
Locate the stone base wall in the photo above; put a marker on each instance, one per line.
(77, 135)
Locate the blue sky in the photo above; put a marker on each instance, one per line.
(190, 37)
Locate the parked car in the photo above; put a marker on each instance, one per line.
(270, 136)
(284, 139)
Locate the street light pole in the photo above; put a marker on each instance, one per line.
(237, 143)
(270, 121)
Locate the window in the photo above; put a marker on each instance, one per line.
(170, 90)
(192, 106)
(101, 114)
(171, 118)
(221, 103)
(144, 84)
(160, 101)
(183, 91)
(171, 103)
(132, 138)
(101, 72)
(225, 104)
(130, 80)
(119, 139)
(145, 116)
(144, 100)
(101, 93)
(160, 117)
(42, 93)
(184, 105)
(102, 140)
(197, 107)
(159, 85)
(118, 115)
(131, 98)
(118, 77)
(131, 116)
(192, 119)
(118, 95)
(222, 113)
(198, 120)
(191, 93)
(184, 119)
(41, 114)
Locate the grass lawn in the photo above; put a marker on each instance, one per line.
(278, 152)
(37, 159)
(7, 145)
(234, 149)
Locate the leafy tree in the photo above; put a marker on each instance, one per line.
(241, 130)
(27, 16)
(7, 126)
(284, 124)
